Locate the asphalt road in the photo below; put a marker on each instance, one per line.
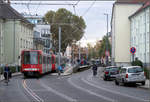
(79, 87)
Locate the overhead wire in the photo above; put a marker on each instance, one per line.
(28, 7)
(38, 7)
(89, 8)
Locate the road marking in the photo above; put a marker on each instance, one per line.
(90, 92)
(35, 96)
(58, 93)
(105, 89)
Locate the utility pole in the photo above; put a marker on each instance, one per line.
(59, 49)
(107, 41)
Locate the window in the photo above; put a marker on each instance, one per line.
(30, 57)
(123, 70)
(40, 59)
(135, 70)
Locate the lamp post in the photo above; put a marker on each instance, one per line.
(59, 49)
(107, 41)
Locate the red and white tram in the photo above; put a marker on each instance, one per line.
(36, 63)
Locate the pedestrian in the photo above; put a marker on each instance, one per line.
(59, 70)
(7, 71)
(94, 68)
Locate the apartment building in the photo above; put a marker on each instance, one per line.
(140, 33)
(120, 28)
(16, 34)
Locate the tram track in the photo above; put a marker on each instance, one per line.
(30, 91)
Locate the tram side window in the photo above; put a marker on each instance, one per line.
(43, 59)
(48, 61)
(40, 59)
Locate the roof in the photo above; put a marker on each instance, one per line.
(7, 12)
(147, 4)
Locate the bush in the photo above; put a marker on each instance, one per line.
(12, 68)
(137, 63)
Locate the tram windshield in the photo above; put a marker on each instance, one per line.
(30, 57)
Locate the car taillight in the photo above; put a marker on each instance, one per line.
(126, 75)
(106, 72)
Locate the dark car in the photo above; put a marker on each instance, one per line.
(110, 72)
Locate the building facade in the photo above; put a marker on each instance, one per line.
(42, 35)
(140, 33)
(16, 35)
(1, 42)
(120, 28)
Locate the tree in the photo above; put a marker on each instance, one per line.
(137, 62)
(102, 48)
(72, 27)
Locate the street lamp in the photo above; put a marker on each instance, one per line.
(106, 53)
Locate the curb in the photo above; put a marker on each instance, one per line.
(141, 87)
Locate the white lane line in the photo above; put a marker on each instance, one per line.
(114, 92)
(34, 95)
(41, 100)
(90, 92)
(30, 92)
(58, 93)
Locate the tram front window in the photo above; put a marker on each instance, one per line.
(30, 57)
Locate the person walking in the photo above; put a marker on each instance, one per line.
(7, 72)
(94, 68)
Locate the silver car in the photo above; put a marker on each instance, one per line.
(131, 74)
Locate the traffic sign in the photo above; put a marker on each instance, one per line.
(133, 50)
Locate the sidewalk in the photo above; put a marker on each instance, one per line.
(14, 74)
(147, 85)
(68, 70)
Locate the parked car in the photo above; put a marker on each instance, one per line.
(131, 74)
(110, 72)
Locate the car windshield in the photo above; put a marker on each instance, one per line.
(30, 57)
(135, 70)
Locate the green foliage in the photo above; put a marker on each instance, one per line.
(102, 48)
(137, 63)
(72, 27)
(12, 68)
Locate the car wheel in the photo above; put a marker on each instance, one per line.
(143, 83)
(124, 84)
(116, 82)
(104, 79)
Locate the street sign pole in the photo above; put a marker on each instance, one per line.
(133, 57)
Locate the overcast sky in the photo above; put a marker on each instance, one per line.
(94, 17)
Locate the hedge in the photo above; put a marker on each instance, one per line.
(12, 68)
